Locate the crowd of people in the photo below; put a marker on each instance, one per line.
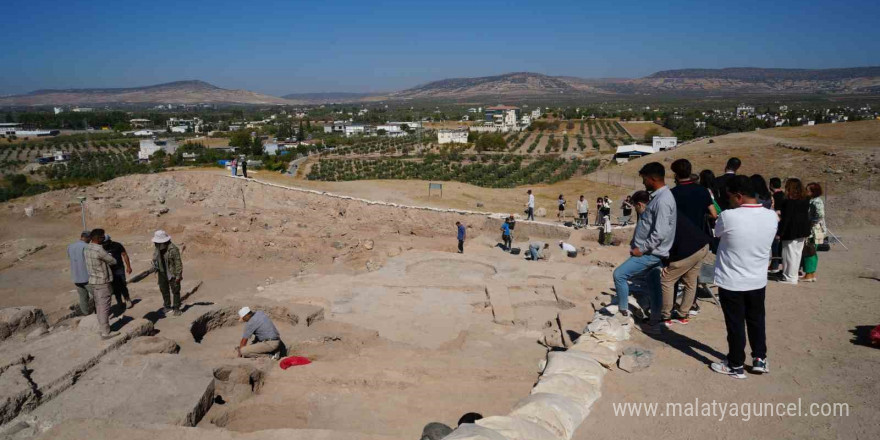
(758, 231)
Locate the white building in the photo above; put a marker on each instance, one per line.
(745, 110)
(14, 129)
(662, 143)
(390, 128)
(452, 136)
(143, 133)
(82, 110)
(151, 146)
(700, 124)
(271, 148)
(626, 152)
(58, 110)
(536, 113)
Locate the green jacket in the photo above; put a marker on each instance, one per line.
(172, 261)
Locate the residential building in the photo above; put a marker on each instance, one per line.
(662, 143)
(452, 136)
(502, 115)
(58, 110)
(745, 110)
(151, 146)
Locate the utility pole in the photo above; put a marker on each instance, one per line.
(82, 208)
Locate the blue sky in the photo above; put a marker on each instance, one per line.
(280, 47)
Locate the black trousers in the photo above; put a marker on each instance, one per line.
(775, 254)
(461, 245)
(744, 311)
(120, 288)
(531, 214)
(508, 242)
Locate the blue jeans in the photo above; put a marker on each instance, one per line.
(648, 265)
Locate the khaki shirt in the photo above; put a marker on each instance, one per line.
(173, 267)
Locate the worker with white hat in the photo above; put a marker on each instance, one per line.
(167, 262)
(267, 341)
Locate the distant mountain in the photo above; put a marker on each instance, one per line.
(179, 92)
(753, 80)
(518, 84)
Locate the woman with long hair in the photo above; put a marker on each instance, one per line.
(762, 191)
(817, 232)
(794, 228)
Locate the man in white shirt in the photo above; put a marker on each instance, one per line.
(530, 206)
(746, 232)
(569, 249)
(582, 210)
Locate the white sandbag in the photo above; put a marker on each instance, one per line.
(556, 413)
(470, 431)
(573, 387)
(578, 364)
(515, 428)
(598, 351)
(607, 328)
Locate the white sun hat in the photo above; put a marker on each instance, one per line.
(242, 312)
(161, 237)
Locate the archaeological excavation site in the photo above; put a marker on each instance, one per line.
(401, 331)
(403, 336)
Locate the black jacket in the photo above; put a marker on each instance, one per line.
(688, 239)
(795, 220)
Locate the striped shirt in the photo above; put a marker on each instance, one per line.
(98, 263)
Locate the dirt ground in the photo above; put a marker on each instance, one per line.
(408, 336)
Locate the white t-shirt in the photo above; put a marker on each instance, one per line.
(568, 248)
(531, 200)
(582, 206)
(746, 235)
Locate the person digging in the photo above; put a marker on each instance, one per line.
(267, 341)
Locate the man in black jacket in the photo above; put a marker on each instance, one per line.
(730, 170)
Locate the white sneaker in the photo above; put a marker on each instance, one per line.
(723, 368)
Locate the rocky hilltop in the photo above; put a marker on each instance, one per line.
(178, 92)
